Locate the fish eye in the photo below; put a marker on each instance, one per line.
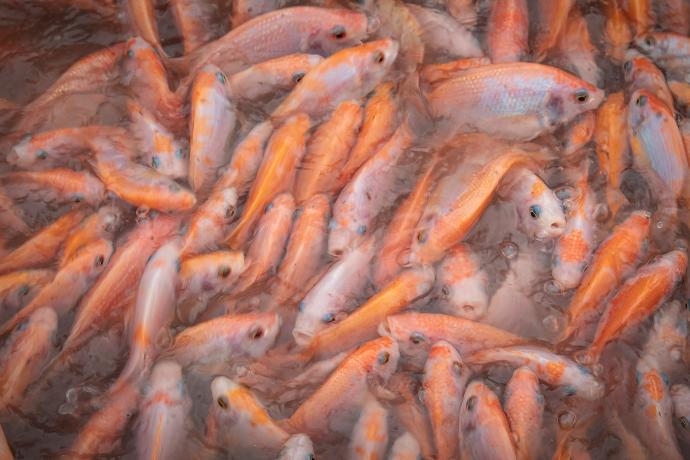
(224, 271)
(379, 58)
(338, 32)
(130, 53)
(174, 187)
(384, 357)
(41, 154)
(221, 77)
(310, 457)
(100, 260)
(581, 95)
(179, 153)
(445, 291)
(230, 212)
(78, 198)
(222, 402)
(641, 101)
(421, 236)
(298, 76)
(178, 265)
(627, 66)
(535, 211)
(300, 306)
(684, 423)
(24, 290)
(417, 338)
(649, 40)
(361, 230)
(155, 162)
(256, 333)
(457, 367)
(471, 403)
(328, 318)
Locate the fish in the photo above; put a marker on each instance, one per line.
(248, 156)
(136, 184)
(334, 407)
(546, 97)
(614, 260)
(204, 276)
(417, 332)
(142, 17)
(303, 258)
(653, 411)
(369, 193)
(60, 185)
(524, 407)
(212, 122)
(276, 174)
(443, 385)
(680, 396)
(661, 158)
(208, 225)
(638, 298)
(347, 74)
(618, 33)
(668, 51)
(268, 246)
(239, 422)
(225, 338)
(301, 29)
(112, 295)
(435, 234)
(244, 10)
(410, 412)
(508, 30)
(641, 73)
(43, 246)
(163, 415)
(462, 284)
(539, 209)
(20, 287)
(579, 133)
(378, 125)
(272, 76)
(12, 218)
(611, 144)
(666, 347)
(162, 150)
(336, 293)
(442, 35)
(24, 354)
(297, 447)
(552, 22)
(194, 21)
(102, 224)
(484, 429)
(551, 368)
(362, 324)
(369, 438)
(573, 251)
(71, 282)
(640, 13)
(327, 152)
(576, 49)
(405, 447)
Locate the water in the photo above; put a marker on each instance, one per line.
(40, 40)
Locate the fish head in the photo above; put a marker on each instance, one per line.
(339, 29)
(540, 211)
(479, 406)
(383, 355)
(309, 322)
(110, 218)
(462, 285)
(377, 59)
(680, 396)
(651, 44)
(28, 151)
(261, 331)
(636, 66)
(412, 338)
(645, 107)
(573, 97)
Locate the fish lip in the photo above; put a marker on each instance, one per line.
(384, 329)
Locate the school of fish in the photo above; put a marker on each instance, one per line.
(433, 229)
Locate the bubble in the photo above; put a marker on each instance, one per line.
(659, 224)
(67, 409)
(509, 250)
(71, 395)
(142, 213)
(553, 287)
(566, 193)
(567, 420)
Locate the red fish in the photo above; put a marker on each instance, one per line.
(59, 185)
(248, 155)
(100, 225)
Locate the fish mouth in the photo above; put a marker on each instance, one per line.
(302, 337)
(384, 329)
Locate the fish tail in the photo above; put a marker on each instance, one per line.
(418, 120)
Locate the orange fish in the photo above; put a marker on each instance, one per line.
(445, 378)
(641, 15)
(508, 31)
(668, 50)
(137, 184)
(43, 246)
(334, 406)
(212, 122)
(398, 235)
(524, 406)
(380, 120)
(12, 218)
(238, 421)
(248, 155)
(432, 239)
(268, 246)
(613, 261)
(638, 298)
(194, 21)
(641, 73)
(369, 438)
(70, 283)
(304, 253)
(60, 185)
(552, 20)
(484, 428)
(611, 141)
(224, 339)
(576, 49)
(24, 355)
(101, 224)
(275, 175)
(579, 133)
(411, 413)
(272, 76)
(163, 413)
(361, 325)
(20, 287)
(617, 31)
(328, 151)
(348, 74)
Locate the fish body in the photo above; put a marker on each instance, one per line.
(641, 73)
(248, 156)
(102, 224)
(508, 30)
(60, 185)
(680, 396)
(18, 288)
(580, 133)
(669, 51)
(576, 48)
(370, 434)
(405, 447)
(617, 31)
(524, 406)
(194, 21)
